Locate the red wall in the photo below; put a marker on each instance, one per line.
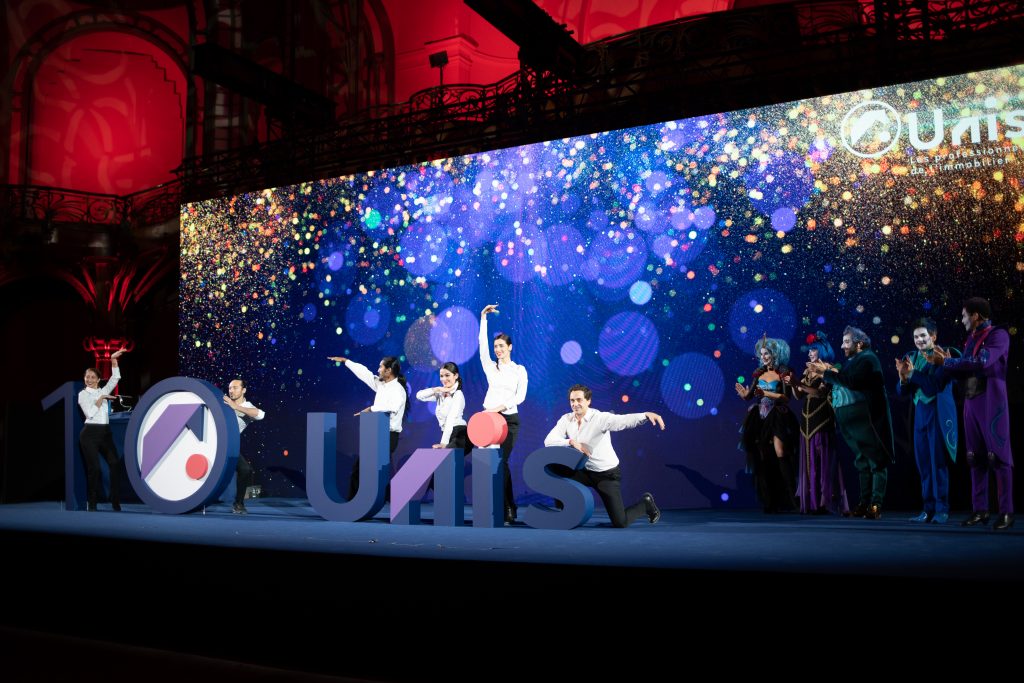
(107, 114)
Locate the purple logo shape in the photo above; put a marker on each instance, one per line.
(165, 431)
(410, 483)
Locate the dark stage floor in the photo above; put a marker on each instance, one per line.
(704, 540)
(283, 588)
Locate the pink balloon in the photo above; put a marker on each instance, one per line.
(487, 429)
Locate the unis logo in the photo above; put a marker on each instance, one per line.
(873, 128)
(870, 129)
(181, 448)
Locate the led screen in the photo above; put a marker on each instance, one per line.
(644, 263)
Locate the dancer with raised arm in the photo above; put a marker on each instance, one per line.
(506, 389)
(95, 438)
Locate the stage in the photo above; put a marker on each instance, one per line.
(694, 540)
(281, 587)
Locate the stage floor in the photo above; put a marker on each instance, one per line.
(702, 540)
(284, 589)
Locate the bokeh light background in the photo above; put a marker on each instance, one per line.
(643, 262)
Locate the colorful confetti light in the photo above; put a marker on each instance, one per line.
(684, 241)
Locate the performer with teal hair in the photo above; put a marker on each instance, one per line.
(770, 430)
(935, 431)
(821, 488)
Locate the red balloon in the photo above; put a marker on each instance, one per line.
(487, 429)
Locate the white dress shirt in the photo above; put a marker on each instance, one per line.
(449, 410)
(389, 397)
(593, 434)
(98, 414)
(506, 382)
(243, 419)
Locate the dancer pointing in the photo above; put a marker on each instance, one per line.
(391, 396)
(450, 406)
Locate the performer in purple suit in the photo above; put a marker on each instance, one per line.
(821, 488)
(982, 373)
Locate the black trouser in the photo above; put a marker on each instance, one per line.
(353, 479)
(460, 439)
(94, 440)
(609, 487)
(243, 476)
(506, 451)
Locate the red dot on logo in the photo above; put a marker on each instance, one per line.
(196, 466)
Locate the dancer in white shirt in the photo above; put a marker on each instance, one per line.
(391, 396)
(246, 412)
(449, 409)
(587, 430)
(95, 437)
(506, 389)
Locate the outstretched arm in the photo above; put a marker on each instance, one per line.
(359, 370)
(616, 423)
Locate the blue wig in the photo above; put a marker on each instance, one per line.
(778, 348)
(820, 342)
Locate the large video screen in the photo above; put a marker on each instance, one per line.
(644, 263)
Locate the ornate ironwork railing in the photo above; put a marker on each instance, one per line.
(737, 58)
(762, 50)
(36, 204)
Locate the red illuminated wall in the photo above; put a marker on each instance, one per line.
(592, 20)
(107, 114)
(479, 53)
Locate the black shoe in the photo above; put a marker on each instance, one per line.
(116, 507)
(510, 516)
(873, 512)
(653, 513)
(91, 507)
(1003, 522)
(239, 509)
(976, 519)
(860, 511)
